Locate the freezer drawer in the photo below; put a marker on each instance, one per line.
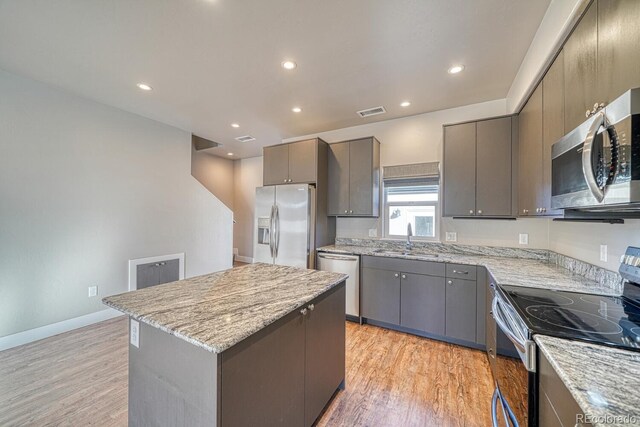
(345, 264)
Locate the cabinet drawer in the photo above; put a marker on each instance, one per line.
(560, 398)
(461, 271)
(404, 265)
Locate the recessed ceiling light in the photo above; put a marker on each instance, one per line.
(405, 104)
(456, 69)
(235, 125)
(144, 86)
(296, 109)
(289, 65)
(229, 154)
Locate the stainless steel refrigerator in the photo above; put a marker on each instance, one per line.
(285, 225)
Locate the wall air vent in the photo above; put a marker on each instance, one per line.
(245, 138)
(371, 111)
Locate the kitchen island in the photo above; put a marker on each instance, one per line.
(255, 345)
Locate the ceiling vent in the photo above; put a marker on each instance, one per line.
(245, 138)
(372, 111)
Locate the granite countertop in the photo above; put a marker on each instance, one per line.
(534, 272)
(604, 381)
(216, 311)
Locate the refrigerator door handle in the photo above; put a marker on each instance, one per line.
(277, 230)
(271, 228)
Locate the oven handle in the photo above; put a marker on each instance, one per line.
(494, 408)
(497, 315)
(587, 158)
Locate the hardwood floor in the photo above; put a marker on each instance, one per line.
(393, 379)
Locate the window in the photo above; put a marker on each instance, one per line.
(414, 202)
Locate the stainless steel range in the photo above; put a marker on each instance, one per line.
(522, 312)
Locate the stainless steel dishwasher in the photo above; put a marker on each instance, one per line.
(346, 264)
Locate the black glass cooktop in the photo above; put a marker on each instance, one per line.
(613, 321)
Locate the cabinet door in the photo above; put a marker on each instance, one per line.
(460, 170)
(493, 167)
(580, 69)
(276, 165)
(325, 351)
(552, 124)
(303, 161)
(361, 177)
(460, 322)
(530, 192)
(421, 305)
(263, 376)
(381, 295)
(338, 181)
(618, 52)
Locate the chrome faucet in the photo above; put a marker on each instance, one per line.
(409, 244)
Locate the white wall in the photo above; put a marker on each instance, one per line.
(247, 176)
(84, 188)
(215, 174)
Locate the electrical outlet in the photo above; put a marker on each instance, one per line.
(523, 239)
(604, 255)
(373, 232)
(93, 291)
(134, 333)
(451, 236)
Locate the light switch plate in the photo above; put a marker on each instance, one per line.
(524, 239)
(451, 236)
(604, 255)
(134, 333)
(93, 291)
(373, 232)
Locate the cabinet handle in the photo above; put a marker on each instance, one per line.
(449, 282)
(350, 212)
(312, 307)
(544, 210)
(395, 275)
(404, 276)
(480, 212)
(460, 272)
(290, 180)
(346, 211)
(303, 311)
(285, 180)
(470, 211)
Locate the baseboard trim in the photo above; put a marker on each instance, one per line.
(246, 259)
(26, 337)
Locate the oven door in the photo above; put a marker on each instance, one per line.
(514, 368)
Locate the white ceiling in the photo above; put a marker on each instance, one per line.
(215, 62)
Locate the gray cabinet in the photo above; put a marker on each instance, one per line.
(618, 52)
(478, 170)
(460, 309)
(459, 177)
(293, 163)
(156, 273)
(381, 295)
(580, 69)
(286, 373)
(354, 178)
(530, 183)
(421, 305)
(557, 407)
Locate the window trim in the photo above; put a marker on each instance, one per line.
(387, 205)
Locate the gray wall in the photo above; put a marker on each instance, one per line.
(84, 188)
(215, 173)
(247, 176)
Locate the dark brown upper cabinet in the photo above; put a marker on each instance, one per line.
(530, 181)
(478, 168)
(294, 163)
(354, 178)
(580, 69)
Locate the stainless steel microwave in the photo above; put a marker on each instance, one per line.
(597, 165)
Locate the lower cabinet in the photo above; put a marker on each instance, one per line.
(286, 373)
(461, 309)
(425, 297)
(421, 305)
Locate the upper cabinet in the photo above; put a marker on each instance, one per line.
(293, 163)
(618, 51)
(478, 168)
(354, 178)
(530, 182)
(580, 69)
